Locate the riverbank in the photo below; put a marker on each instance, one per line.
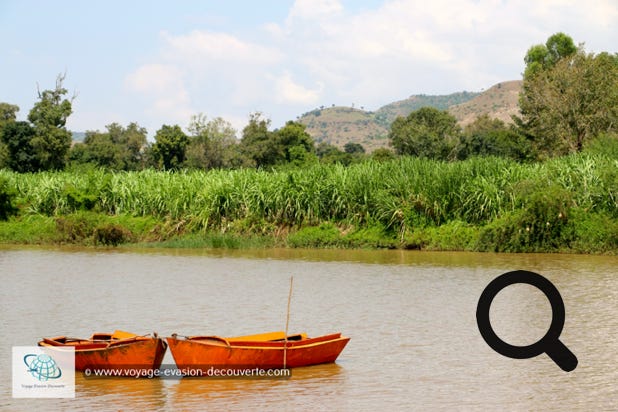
(84, 229)
(568, 204)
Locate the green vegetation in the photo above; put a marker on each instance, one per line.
(118, 149)
(7, 197)
(339, 125)
(548, 182)
(569, 96)
(427, 132)
(487, 204)
(44, 142)
(169, 150)
(51, 141)
(288, 145)
(387, 114)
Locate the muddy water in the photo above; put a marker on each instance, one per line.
(411, 316)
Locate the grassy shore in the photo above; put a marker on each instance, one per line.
(569, 204)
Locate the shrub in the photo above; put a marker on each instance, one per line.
(78, 200)
(325, 235)
(455, 235)
(374, 236)
(7, 197)
(76, 228)
(593, 232)
(539, 226)
(111, 234)
(605, 144)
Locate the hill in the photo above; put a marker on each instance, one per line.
(78, 136)
(339, 125)
(387, 114)
(500, 102)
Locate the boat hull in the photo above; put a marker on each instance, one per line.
(205, 353)
(125, 357)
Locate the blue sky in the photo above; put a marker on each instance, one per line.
(156, 62)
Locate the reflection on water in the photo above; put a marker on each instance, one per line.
(411, 317)
(309, 384)
(101, 393)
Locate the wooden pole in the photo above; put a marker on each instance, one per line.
(287, 322)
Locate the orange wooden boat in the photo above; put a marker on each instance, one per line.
(119, 351)
(266, 351)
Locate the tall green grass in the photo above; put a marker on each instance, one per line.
(402, 196)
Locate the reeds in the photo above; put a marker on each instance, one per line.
(400, 194)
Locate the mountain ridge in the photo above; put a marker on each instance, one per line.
(338, 125)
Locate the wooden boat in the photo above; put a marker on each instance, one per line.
(266, 351)
(120, 351)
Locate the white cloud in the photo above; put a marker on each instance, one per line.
(441, 46)
(321, 53)
(312, 9)
(164, 87)
(605, 14)
(215, 72)
(218, 47)
(156, 78)
(290, 92)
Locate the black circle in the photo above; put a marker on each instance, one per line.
(490, 292)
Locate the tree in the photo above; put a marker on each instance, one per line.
(258, 143)
(212, 143)
(491, 137)
(331, 154)
(351, 153)
(7, 197)
(426, 132)
(98, 149)
(18, 138)
(48, 116)
(4, 155)
(353, 148)
(8, 114)
(294, 144)
(545, 56)
(290, 144)
(328, 153)
(569, 99)
(116, 149)
(130, 142)
(382, 154)
(168, 152)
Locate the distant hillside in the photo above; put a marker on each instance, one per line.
(499, 101)
(340, 125)
(387, 114)
(78, 136)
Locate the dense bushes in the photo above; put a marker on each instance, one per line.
(7, 197)
(479, 204)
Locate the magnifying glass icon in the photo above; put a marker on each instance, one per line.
(550, 343)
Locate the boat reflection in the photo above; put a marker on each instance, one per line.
(116, 393)
(238, 391)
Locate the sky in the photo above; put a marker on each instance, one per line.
(162, 62)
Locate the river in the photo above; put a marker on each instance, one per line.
(415, 344)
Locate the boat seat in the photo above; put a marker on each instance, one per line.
(120, 334)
